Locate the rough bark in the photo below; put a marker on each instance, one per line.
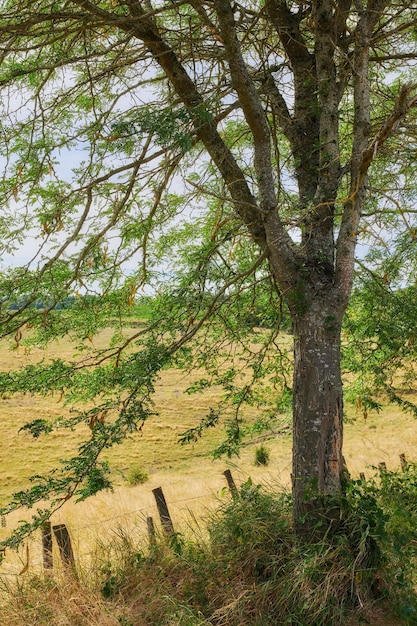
(317, 418)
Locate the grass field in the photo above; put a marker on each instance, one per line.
(191, 480)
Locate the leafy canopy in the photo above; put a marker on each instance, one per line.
(134, 166)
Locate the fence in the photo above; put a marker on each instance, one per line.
(57, 543)
(59, 533)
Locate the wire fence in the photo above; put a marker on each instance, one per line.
(72, 544)
(67, 545)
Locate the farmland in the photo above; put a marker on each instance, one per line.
(380, 437)
(192, 481)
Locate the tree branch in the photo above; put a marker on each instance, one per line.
(362, 151)
(401, 107)
(303, 129)
(251, 105)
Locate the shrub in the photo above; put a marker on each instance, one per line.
(137, 476)
(262, 455)
(385, 508)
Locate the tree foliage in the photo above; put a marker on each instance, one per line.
(226, 157)
(381, 330)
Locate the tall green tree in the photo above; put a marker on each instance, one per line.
(229, 154)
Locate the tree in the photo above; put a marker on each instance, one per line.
(242, 141)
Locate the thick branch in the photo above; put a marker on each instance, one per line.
(302, 129)
(251, 105)
(318, 225)
(342, 11)
(328, 101)
(363, 151)
(402, 105)
(287, 26)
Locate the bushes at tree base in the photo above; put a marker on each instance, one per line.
(250, 570)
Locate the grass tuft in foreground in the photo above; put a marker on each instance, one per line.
(247, 569)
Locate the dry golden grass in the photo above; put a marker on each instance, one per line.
(191, 480)
(62, 601)
(155, 447)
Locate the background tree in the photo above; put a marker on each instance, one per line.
(221, 152)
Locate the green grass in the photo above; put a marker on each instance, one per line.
(142, 310)
(136, 476)
(262, 455)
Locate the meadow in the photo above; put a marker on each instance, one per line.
(193, 482)
(184, 471)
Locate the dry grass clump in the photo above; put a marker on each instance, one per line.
(47, 601)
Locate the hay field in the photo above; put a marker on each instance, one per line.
(154, 449)
(192, 481)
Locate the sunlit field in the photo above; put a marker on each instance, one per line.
(192, 481)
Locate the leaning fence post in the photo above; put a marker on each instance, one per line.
(47, 546)
(230, 482)
(64, 544)
(163, 511)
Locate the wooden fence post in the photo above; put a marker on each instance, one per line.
(151, 531)
(64, 544)
(47, 546)
(230, 482)
(163, 511)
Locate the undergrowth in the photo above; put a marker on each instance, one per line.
(248, 569)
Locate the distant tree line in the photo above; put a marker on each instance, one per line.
(41, 303)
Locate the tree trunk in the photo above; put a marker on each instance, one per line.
(317, 418)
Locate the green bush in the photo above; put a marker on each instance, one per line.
(262, 455)
(384, 509)
(137, 476)
(251, 570)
